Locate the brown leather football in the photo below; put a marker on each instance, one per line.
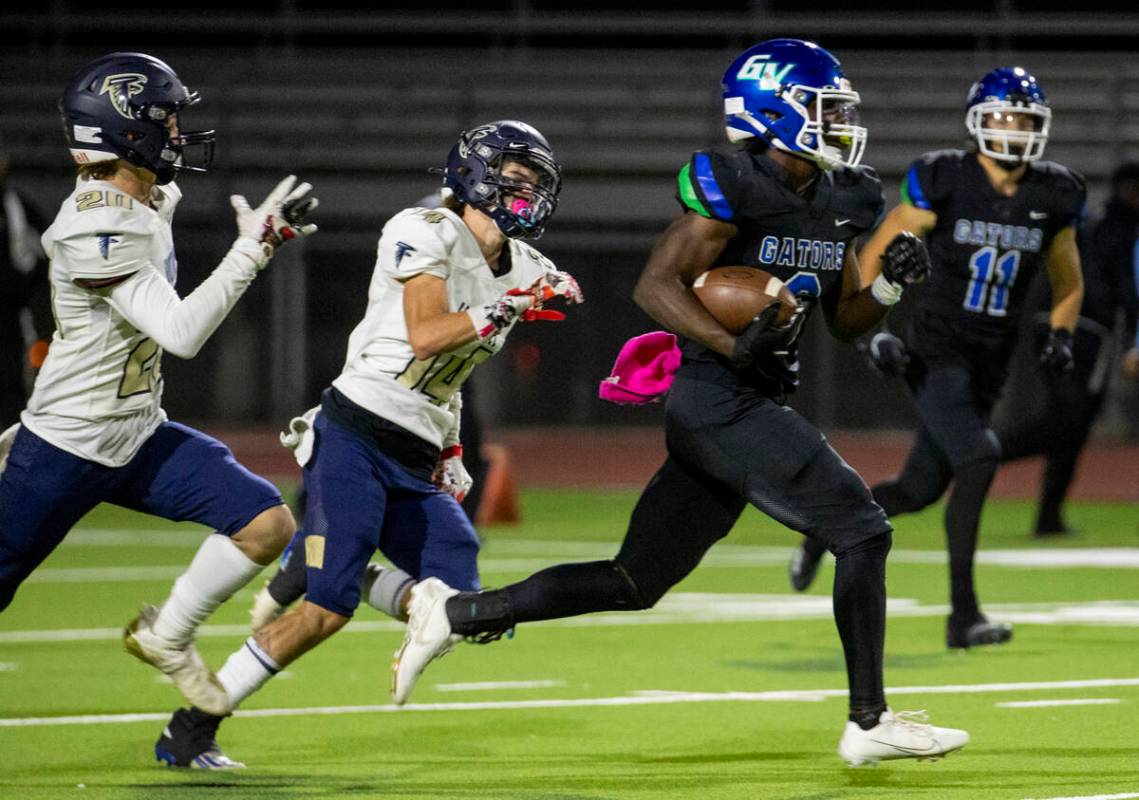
(734, 295)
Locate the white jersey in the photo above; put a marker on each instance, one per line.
(381, 372)
(98, 395)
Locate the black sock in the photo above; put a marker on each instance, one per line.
(566, 590)
(291, 580)
(962, 520)
(860, 614)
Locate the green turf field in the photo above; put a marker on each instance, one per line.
(731, 688)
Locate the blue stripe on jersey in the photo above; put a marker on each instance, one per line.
(913, 189)
(710, 188)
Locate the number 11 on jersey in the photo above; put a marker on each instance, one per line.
(989, 283)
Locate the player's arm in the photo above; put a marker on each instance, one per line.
(432, 327)
(903, 217)
(1063, 265)
(687, 248)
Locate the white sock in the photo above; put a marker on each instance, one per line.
(384, 588)
(246, 671)
(218, 570)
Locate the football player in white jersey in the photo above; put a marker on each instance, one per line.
(94, 429)
(381, 454)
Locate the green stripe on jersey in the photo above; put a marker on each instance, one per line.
(688, 193)
(906, 191)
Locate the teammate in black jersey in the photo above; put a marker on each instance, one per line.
(992, 216)
(790, 200)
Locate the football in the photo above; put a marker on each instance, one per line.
(734, 295)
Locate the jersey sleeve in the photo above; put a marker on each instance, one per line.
(708, 185)
(417, 242)
(928, 181)
(104, 243)
(1071, 196)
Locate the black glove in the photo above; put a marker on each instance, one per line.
(762, 336)
(888, 354)
(1056, 357)
(905, 260)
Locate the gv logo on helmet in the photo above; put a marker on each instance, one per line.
(121, 88)
(770, 74)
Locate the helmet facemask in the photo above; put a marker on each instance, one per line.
(831, 135)
(1015, 145)
(520, 208)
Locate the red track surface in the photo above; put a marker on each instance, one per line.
(627, 457)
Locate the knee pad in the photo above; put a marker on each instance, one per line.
(879, 544)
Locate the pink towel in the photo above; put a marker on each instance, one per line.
(643, 370)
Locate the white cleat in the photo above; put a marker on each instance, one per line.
(265, 609)
(905, 734)
(428, 636)
(183, 665)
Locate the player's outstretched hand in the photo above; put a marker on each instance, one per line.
(1056, 357)
(559, 284)
(280, 216)
(763, 336)
(905, 260)
(887, 354)
(450, 475)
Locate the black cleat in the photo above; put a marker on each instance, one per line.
(803, 568)
(189, 740)
(1046, 528)
(979, 632)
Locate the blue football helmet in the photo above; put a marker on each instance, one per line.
(794, 96)
(118, 106)
(1001, 96)
(474, 174)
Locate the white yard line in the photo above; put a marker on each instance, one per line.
(642, 699)
(681, 608)
(1124, 796)
(1086, 701)
(487, 686)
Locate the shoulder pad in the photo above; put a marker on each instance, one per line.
(418, 240)
(1064, 178)
(707, 184)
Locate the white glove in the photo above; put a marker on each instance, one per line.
(559, 284)
(450, 475)
(280, 216)
(300, 437)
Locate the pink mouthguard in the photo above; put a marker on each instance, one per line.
(522, 207)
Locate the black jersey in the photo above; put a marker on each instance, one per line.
(986, 247)
(800, 240)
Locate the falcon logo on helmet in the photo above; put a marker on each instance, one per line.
(121, 88)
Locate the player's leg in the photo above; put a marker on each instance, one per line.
(285, 587)
(183, 474)
(343, 517)
(954, 409)
(44, 491)
(922, 481)
(828, 498)
(679, 515)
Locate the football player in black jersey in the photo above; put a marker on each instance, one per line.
(992, 215)
(789, 199)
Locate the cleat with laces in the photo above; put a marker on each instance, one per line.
(906, 734)
(189, 740)
(803, 568)
(428, 636)
(182, 664)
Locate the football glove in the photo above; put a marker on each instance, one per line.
(904, 262)
(888, 354)
(762, 336)
(525, 305)
(1056, 357)
(450, 475)
(280, 216)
